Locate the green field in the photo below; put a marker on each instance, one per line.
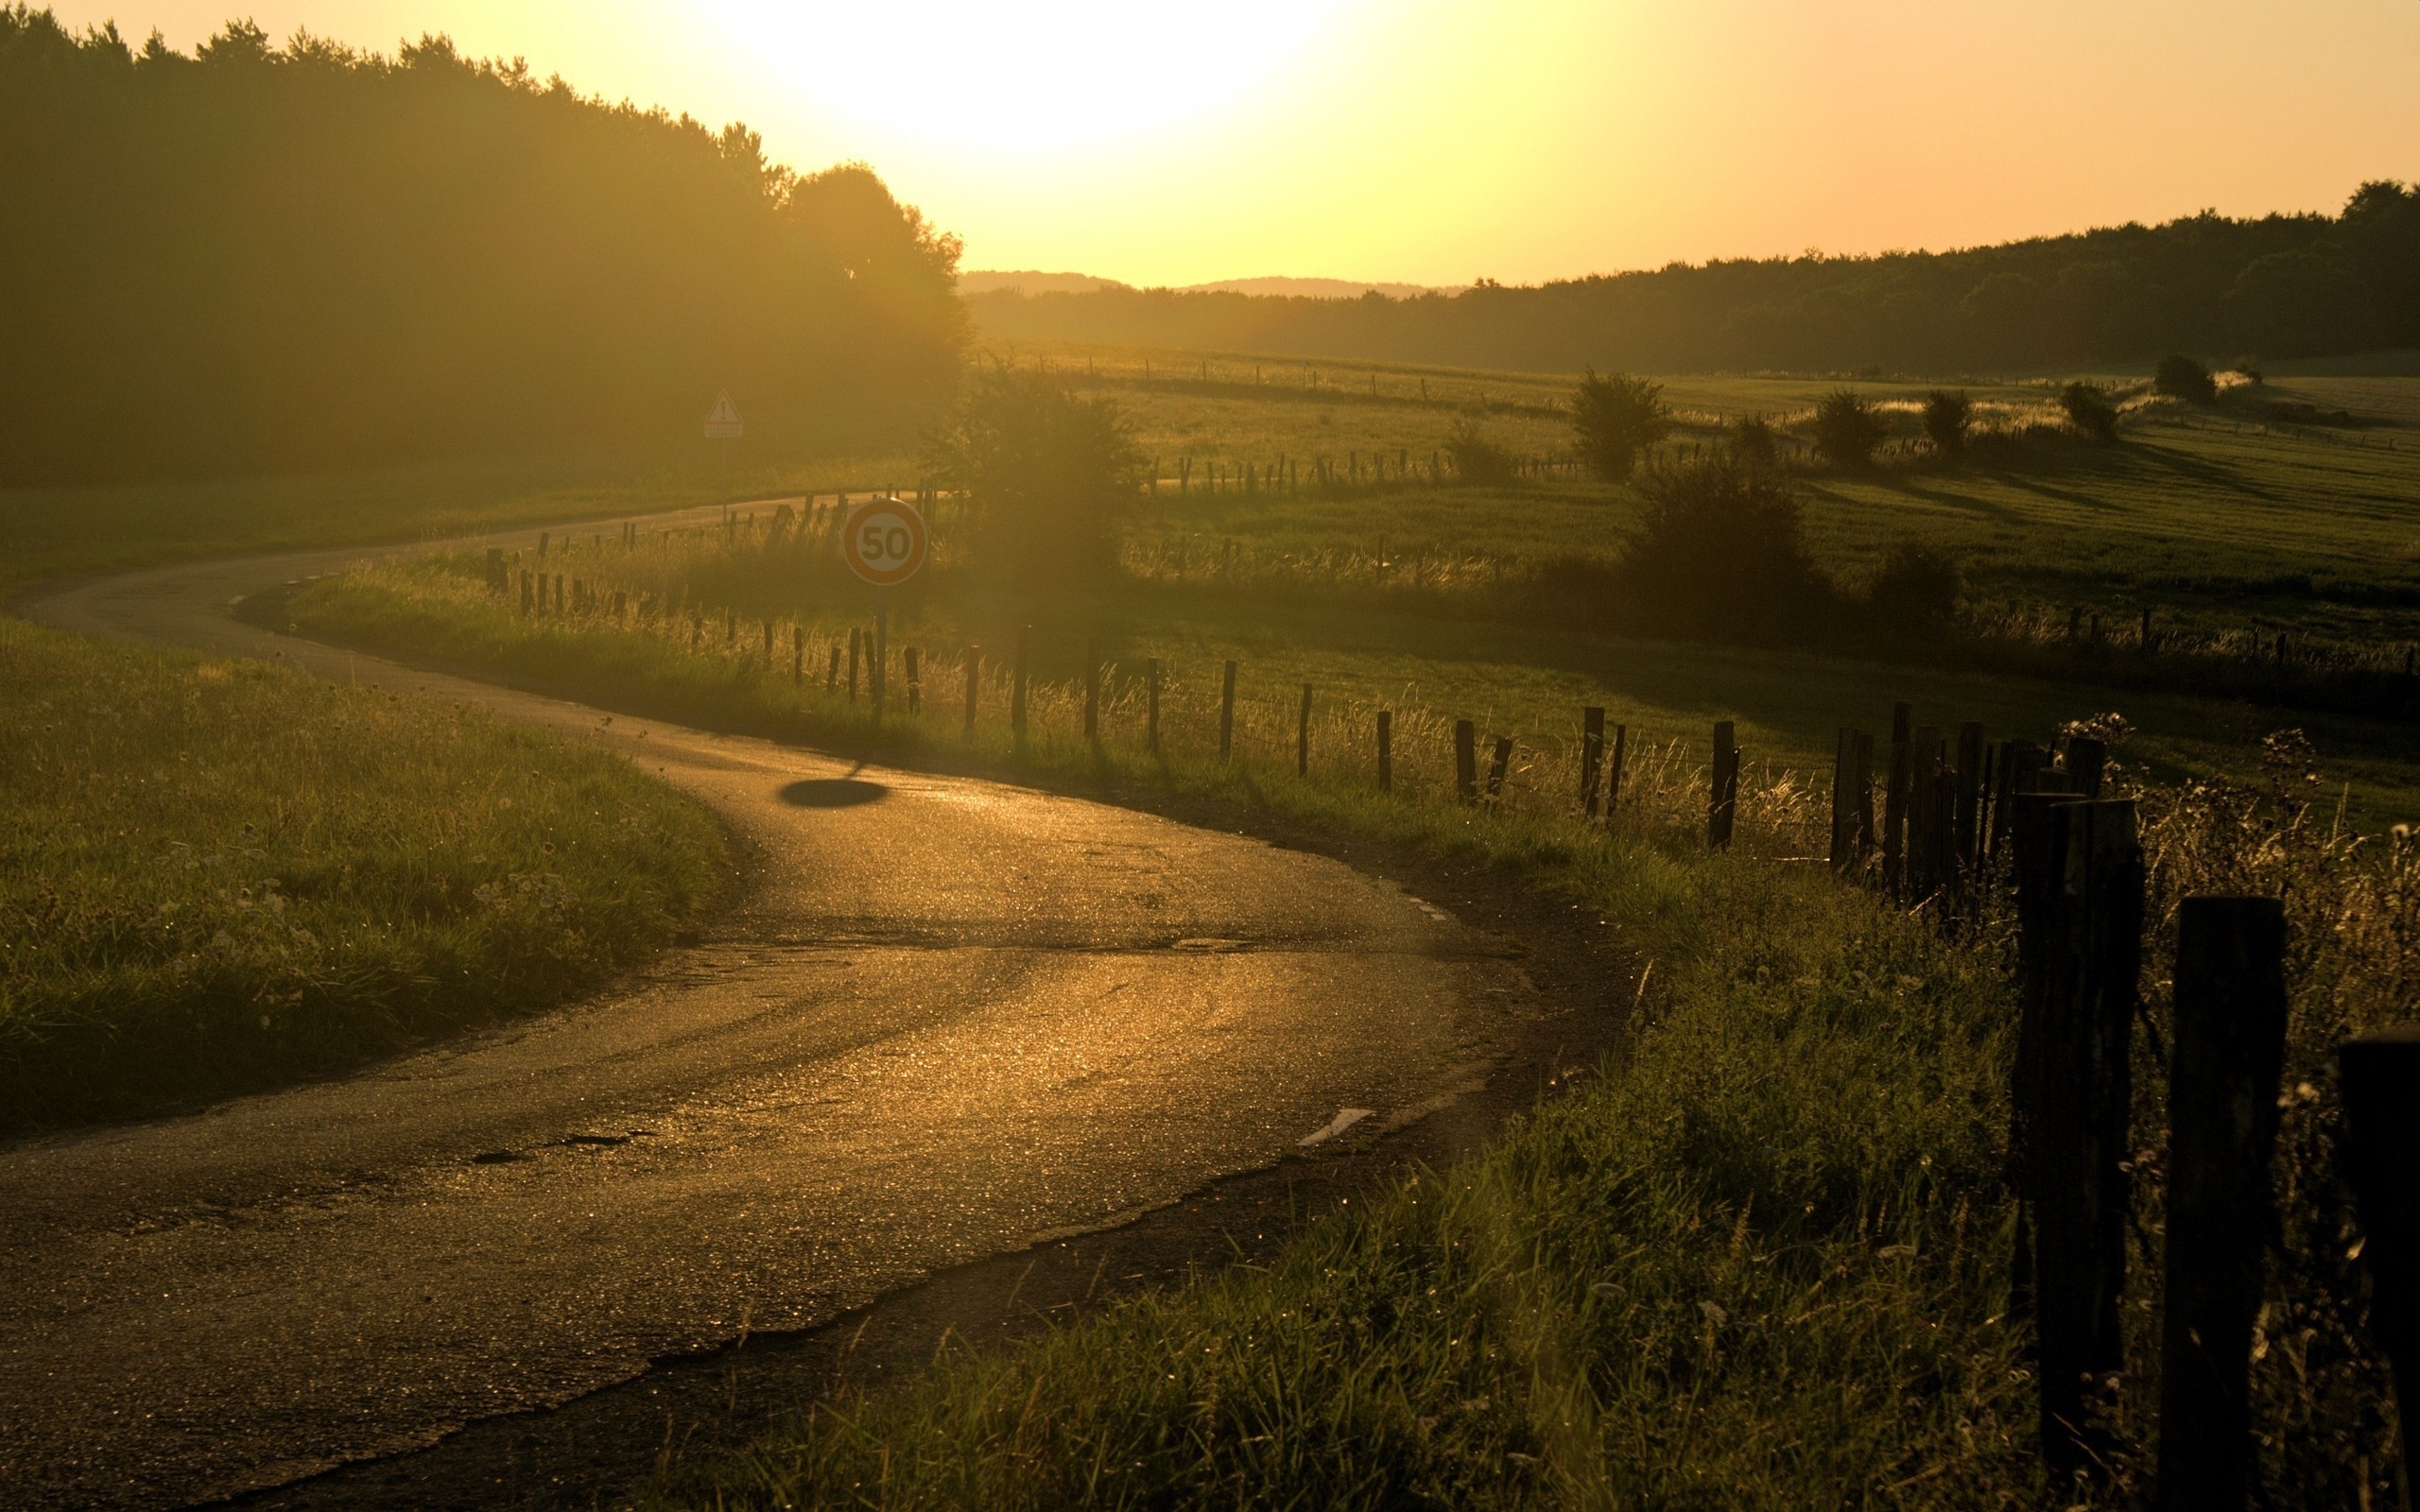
(217, 877)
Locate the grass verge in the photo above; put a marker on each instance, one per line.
(217, 877)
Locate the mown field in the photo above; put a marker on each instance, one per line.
(217, 877)
(1760, 1259)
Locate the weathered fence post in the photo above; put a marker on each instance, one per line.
(1386, 750)
(2088, 963)
(915, 680)
(1919, 873)
(1614, 771)
(832, 670)
(1227, 712)
(856, 653)
(1017, 684)
(1970, 797)
(879, 649)
(1843, 761)
(2088, 759)
(1151, 706)
(1894, 802)
(2230, 1046)
(1303, 735)
(974, 681)
(1592, 757)
(2381, 1076)
(1500, 762)
(1091, 693)
(1465, 760)
(1722, 800)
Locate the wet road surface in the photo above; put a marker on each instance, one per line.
(950, 1018)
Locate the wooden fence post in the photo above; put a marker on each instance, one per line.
(1465, 760)
(1386, 750)
(1151, 709)
(1091, 693)
(974, 681)
(1864, 794)
(856, 653)
(1843, 812)
(915, 680)
(495, 568)
(1894, 803)
(1722, 800)
(2230, 1048)
(2088, 759)
(2088, 963)
(1592, 757)
(1614, 771)
(878, 647)
(1227, 712)
(1303, 735)
(769, 645)
(1919, 856)
(832, 671)
(2381, 1076)
(1499, 764)
(1017, 682)
(1970, 797)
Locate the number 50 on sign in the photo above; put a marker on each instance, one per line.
(884, 541)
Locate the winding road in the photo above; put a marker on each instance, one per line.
(949, 1018)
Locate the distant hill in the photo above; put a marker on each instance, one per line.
(985, 280)
(2279, 287)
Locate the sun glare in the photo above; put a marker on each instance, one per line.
(977, 77)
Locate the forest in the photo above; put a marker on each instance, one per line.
(2275, 287)
(261, 258)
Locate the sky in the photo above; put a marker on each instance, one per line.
(1443, 141)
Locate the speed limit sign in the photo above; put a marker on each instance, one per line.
(884, 541)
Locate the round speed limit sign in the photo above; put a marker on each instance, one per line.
(884, 541)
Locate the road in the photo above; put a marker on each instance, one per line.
(949, 1018)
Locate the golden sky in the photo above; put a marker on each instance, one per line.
(1440, 141)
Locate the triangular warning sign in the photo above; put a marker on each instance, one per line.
(726, 413)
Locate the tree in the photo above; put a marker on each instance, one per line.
(1846, 430)
(1476, 455)
(1722, 553)
(1613, 417)
(1914, 596)
(1947, 416)
(1754, 445)
(1048, 472)
(2184, 378)
(2314, 299)
(2088, 410)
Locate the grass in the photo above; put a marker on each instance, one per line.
(1750, 1267)
(218, 877)
(2218, 520)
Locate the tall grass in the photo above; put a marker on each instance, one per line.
(217, 877)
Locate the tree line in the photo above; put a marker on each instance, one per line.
(255, 257)
(2272, 287)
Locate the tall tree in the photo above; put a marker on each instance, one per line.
(1613, 418)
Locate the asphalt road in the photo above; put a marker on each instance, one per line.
(950, 1018)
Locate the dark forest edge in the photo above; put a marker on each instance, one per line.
(2277, 286)
(258, 259)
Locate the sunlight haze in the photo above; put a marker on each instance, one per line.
(1435, 142)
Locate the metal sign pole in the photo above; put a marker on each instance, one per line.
(881, 646)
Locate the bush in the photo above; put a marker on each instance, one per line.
(1613, 418)
(1050, 473)
(1475, 456)
(1916, 593)
(2184, 378)
(1846, 431)
(1722, 552)
(1754, 445)
(1946, 418)
(2089, 411)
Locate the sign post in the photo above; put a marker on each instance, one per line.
(723, 425)
(883, 541)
